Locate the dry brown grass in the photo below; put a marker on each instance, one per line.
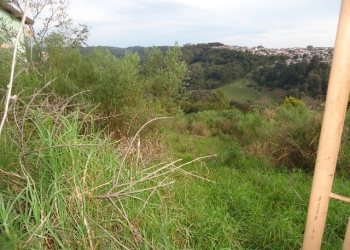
(199, 128)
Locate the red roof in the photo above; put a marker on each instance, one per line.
(17, 14)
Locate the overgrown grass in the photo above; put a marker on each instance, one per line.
(284, 135)
(251, 205)
(66, 184)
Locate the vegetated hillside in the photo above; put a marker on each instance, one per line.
(211, 66)
(78, 172)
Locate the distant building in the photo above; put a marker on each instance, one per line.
(10, 22)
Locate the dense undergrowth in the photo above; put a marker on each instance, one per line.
(55, 165)
(77, 172)
(66, 184)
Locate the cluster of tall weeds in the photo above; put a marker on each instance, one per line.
(286, 135)
(66, 184)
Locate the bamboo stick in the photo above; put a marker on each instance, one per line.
(331, 132)
(346, 245)
(339, 197)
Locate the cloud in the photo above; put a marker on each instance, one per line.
(159, 22)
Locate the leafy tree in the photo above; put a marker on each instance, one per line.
(314, 81)
(196, 75)
(164, 73)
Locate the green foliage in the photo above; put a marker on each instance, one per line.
(53, 205)
(115, 83)
(124, 87)
(344, 154)
(213, 66)
(164, 73)
(5, 59)
(58, 164)
(7, 31)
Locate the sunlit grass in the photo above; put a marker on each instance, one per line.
(242, 91)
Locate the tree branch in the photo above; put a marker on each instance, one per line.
(9, 86)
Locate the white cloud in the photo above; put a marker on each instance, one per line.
(277, 23)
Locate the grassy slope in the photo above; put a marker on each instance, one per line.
(239, 91)
(250, 206)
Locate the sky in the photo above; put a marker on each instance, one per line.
(270, 23)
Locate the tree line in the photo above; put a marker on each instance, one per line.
(211, 66)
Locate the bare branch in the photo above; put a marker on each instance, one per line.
(50, 17)
(9, 86)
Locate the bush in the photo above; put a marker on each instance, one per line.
(297, 134)
(292, 101)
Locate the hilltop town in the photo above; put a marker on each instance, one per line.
(293, 55)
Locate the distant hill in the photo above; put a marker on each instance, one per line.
(213, 65)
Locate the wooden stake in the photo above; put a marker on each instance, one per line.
(331, 132)
(346, 245)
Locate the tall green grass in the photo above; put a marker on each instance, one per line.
(65, 184)
(251, 205)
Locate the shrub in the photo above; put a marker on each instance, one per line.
(121, 87)
(295, 136)
(291, 101)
